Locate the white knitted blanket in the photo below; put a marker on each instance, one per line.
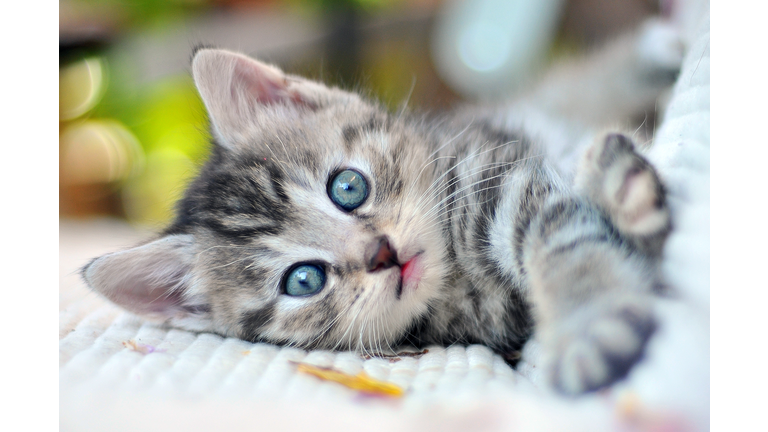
(206, 382)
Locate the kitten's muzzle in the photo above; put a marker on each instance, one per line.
(380, 255)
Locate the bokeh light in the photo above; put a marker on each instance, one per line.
(133, 129)
(81, 85)
(485, 49)
(482, 46)
(98, 151)
(149, 199)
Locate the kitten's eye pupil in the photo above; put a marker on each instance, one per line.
(348, 190)
(304, 280)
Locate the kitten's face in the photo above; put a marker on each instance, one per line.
(314, 223)
(369, 295)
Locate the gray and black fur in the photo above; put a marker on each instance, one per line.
(506, 241)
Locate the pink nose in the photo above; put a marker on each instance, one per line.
(380, 255)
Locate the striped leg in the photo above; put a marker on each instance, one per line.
(592, 262)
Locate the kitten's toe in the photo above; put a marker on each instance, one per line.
(594, 352)
(621, 181)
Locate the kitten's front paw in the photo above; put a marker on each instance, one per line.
(621, 181)
(599, 344)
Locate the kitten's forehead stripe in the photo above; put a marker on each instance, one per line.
(377, 123)
(241, 236)
(311, 160)
(352, 132)
(241, 198)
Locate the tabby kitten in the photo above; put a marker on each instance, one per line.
(323, 221)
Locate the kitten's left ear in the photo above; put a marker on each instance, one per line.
(156, 280)
(235, 88)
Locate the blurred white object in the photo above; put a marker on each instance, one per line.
(484, 48)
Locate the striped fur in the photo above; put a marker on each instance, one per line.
(506, 242)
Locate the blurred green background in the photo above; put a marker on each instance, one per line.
(133, 130)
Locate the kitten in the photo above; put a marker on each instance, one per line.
(323, 221)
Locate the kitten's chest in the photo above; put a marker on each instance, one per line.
(493, 186)
(473, 311)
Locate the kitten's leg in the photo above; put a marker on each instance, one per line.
(618, 85)
(592, 277)
(624, 185)
(615, 83)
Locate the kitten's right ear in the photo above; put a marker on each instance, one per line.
(235, 87)
(155, 280)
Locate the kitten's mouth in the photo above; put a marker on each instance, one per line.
(410, 274)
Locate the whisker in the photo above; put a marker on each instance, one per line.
(407, 98)
(641, 125)
(469, 157)
(458, 191)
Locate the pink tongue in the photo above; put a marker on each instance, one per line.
(407, 269)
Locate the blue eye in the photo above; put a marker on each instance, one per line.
(304, 280)
(348, 190)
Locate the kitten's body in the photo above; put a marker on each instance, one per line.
(474, 229)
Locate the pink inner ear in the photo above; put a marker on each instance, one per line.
(148, 297)
(149, 279)
(265, 84)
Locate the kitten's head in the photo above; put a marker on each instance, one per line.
(311, 224)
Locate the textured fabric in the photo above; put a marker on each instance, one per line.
(205, 382)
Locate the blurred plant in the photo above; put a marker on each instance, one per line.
(94, 155)
(81, 86)
(98, 151)
(139, 143)
(337, 5)
(136, 13)
(127, 148)
(112, 128)
(169, 119)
